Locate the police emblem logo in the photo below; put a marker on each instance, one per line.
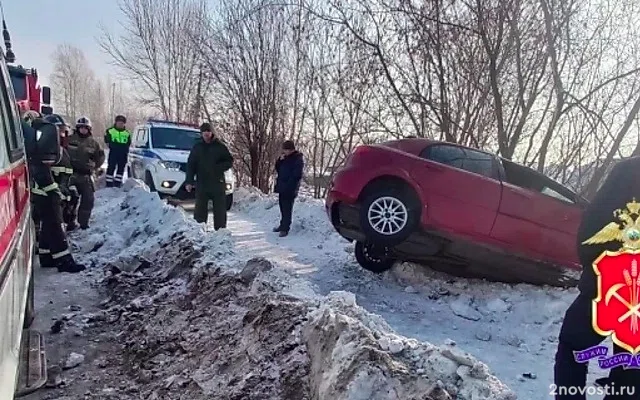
(616, 308)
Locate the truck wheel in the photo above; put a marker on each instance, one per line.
(374, 258)
(148, 180)
(229, 201)
(389, 214)
(30, 308)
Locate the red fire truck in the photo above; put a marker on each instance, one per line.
(22, 358)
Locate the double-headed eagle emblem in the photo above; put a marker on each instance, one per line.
(626, 231)
(617, 271)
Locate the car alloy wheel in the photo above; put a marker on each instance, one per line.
(387, 215)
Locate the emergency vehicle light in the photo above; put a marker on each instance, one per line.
(162, 121)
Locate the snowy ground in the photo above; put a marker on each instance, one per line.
(512, 329)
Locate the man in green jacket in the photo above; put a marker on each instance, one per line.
(207, 162)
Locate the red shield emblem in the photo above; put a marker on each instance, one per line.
(616, 309)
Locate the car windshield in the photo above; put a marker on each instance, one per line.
(19, 84)
(173, 138)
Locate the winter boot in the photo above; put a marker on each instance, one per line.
(72, 226)
(68, 264)
(84, 227)
(109, 183)
(283, 233)
(46, 261)
(277, 229)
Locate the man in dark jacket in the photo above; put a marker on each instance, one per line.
(576, 333)
(207, 162)
(86, 157)
(118, 139)
(289, 169)
(53, 249)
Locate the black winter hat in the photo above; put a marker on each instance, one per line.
(288, 145)
(205, 127)
(121, 118)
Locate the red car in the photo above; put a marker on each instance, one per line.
(457, 208)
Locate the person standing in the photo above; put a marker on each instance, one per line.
(207, 162)
(118, 139)
(577, 333)
(63, 170)
(86, 157)
(53, 249)
(289, 168)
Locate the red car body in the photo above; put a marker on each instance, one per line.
(469, 211)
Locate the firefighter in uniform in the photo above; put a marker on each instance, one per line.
(577, 334)
(53, 249)
(207, 162)
(86, 157)
(118, 139)
(62, 171)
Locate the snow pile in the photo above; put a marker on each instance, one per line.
(133, 226)
(236, 336)
(192, 326)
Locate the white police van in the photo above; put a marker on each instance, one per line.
(158, 156)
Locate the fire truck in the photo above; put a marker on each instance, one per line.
(22, 357)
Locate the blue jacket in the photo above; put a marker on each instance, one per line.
(289, 171)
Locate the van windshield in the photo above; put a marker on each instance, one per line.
(173, 138)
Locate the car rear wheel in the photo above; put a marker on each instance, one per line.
(374, 258)
(229, 201)
(389, 214)
(148, 180)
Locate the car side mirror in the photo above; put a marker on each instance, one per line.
(42, 144)
(46, 110)
(46, 95)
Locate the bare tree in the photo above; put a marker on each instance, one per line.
(156, 52)
(72, 79)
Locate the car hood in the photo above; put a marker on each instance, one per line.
(172, 155)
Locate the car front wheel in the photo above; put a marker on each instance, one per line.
(229, 201)
(374, 258)
(148, 180)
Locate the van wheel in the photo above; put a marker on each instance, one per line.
(229, 201)
(374, 258)
(389, 214)
(30, 308)
(148, 180)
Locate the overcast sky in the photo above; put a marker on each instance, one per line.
(38, 26)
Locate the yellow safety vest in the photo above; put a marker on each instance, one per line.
(117, 136)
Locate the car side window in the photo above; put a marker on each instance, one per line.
(465, 159)
(447, 155)
(11, 118)
(141, 139)
(479, 163)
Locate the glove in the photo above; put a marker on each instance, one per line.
(65, 191)
(73, 191)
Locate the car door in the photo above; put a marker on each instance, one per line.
(560, 216)
(534, 218)
(461, 187)
(137, 156)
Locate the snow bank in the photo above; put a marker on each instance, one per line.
(194, 323)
